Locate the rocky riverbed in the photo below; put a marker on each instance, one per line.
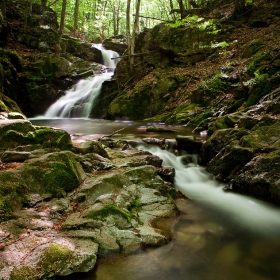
(64, 203)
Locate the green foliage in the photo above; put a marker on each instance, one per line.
(196, 22)
(259, 88)
(185, 21)
(222, 45)
(215, 85)
(258, 61)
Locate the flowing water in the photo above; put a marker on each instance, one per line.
(219, 235)
(79, 100)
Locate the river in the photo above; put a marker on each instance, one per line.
(220, 235)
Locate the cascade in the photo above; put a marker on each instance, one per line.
(79, 100)
(246, 213)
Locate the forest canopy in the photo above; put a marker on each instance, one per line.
(96, 20)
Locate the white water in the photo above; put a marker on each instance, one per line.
(244, 212)
(79, 100)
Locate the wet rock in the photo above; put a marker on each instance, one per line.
(167, 173)
(229, 161)
(219, 140)
(115, 43)
(260, 178)
(81, 49)
(91, 147)
(188, 144)
(160, 142)
(159, 129)
(12, 156)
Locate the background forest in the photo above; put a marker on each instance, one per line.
(95, 20)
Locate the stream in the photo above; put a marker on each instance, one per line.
(219, 235)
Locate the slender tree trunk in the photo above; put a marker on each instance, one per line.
(76, 18)
(61, 28)
(132, 41)
(239, 7)
(27, 13)
(44, 3)
(181, 6)
(128, 35)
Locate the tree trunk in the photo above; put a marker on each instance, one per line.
(61, 28)
(76, 18)
(28, 13)
(128, 35)
(239, 7)
(44, 3)
(181, 6)
(132, 42)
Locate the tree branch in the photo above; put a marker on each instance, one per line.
(110, 135)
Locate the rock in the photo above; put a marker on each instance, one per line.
(188, 144)
(81, 49)
(219, 140)
(14, 156)
(115, 43)
(159, 129)
(160, 142)
(51, 175)
(229, 161)
(167, 173)
(91, 147)
(260, 178)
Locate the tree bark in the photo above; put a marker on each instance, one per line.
(76, 18)
(239, 7)
(61, 28)
(128, 35)
(132, 43)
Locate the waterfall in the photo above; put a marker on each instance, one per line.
(245, 212)
(79, 100)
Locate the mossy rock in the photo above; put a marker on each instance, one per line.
(8, 105)
(57, 138)
(183, 114)
(218, 141)
(264, 138)
(260, 178)
(229, 161)
(253, 47)
(51, 175)
(89, 146)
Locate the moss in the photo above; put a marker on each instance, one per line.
(258, 61)
(253, 47)
(24, 273)
(57, 138)
(107, 211)
(59, 180)
(10, 104)
(11, 57)
(201, 117)
(55, 258)
(259, 89)
(234, 105)
(3, 107)
(182, 114)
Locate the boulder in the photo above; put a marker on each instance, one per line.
(188, 144)
(115, 43)
(260, 178)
